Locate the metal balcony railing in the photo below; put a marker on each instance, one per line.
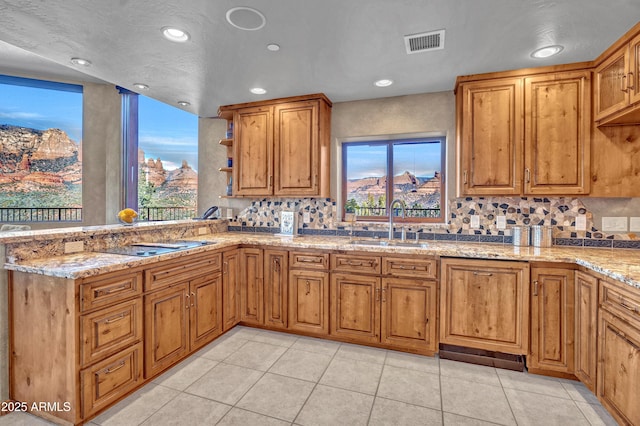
(40, 214)
(153, 214)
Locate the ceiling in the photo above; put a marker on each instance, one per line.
(338, 47)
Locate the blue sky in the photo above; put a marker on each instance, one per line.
(370, 160)
(164, 131)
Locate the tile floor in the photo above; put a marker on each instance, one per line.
(256, 377)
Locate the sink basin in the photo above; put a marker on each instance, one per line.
(387, 243)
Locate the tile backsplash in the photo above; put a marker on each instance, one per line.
(558, 212)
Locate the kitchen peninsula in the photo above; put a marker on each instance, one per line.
(124, 319)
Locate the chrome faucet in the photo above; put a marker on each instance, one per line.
(402, 206)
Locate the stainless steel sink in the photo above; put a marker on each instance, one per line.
(387, 243)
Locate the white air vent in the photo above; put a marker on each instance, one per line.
(424, 42)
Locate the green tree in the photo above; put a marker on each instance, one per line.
(351, 206)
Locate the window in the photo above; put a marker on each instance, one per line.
(161, 157)
(40, 151)
(378, 172)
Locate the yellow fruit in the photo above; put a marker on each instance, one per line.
(130, 212)
(127, 215)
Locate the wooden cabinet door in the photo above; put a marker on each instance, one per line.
(610, 80)
(296, 149)
(309, 301)
(276, 286)
(166, 328)
(586, 306)
(205, 307)
(484, 304)
(251, 286)
(230, 289)
(552, 320)
(355, 307)
(633, 76)
(253, 151)
(490, 128)
(409, 313)
(619, 368)
(557, 133)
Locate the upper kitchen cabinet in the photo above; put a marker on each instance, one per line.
(617, 82)
(281, 147)
(525, 132)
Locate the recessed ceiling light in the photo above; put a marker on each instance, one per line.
(258, 91)
(175, 34)
(141, 86)
(184, 103)
(246, 18)
(80, 61)
(273, 47)
(545, 52)
(384, 82)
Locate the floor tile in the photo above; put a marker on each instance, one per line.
(184, 374)
(22, 419)
(187, 410)
(352, 375)
(410, 386)
(321, 346)
(225, 383)
(277, 396)
(470, 372)
(242, 332)
(331, 406)
(596, 415)
(451, 419)
(477, 400)
(239, 417)
(535, 409)
(428, 364)
(256, 355)
(220, 349)
(579, 392)
(301, 365)
(361, 353)
(387, 412)
(275, 338)
(137, 407)
(532, 383)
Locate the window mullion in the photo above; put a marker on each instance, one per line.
(389, 178)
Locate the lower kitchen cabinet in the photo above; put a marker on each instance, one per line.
(355, 307)
(552, 320)
(205, 310)
(251, 286)
(619, 352)
(276, 288)
(230, 289)
(484, 304)
(586, 325)
(309, 301)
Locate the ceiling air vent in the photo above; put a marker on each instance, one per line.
(424, 42)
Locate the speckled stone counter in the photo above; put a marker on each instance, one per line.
(622, 265)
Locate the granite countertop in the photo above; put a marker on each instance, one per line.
(622, 265)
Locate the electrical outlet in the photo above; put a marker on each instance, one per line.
(203, 230)
(306, 217)
(615, 224)
(634, 224)
(475, 221)
(73, 246)
(501, 222)
(581, 222)
(229, 213)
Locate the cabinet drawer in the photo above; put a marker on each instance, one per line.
(106, 331)
(304, 260)
(104, 291)
(355, 263)
(110, 379)
(424, 268)
(181, 270)
(620, 301)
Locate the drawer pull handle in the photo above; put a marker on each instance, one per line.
(193, 301)
(308, 289)
(630, 81)
(114, 368)
(624, 304)
(105, 291)
(482, 274)
(187, 297)
(535, 288)
(276, 265)
(623, 83)
(309, 260)
(114, 319)
(384, 293)
(377, 294)
(410, 268)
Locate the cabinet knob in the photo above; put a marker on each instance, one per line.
(527, 175)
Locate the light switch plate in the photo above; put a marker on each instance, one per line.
(306, 217)
(475, 221)
(615, 224)
(501, 222)
(634, 224)
(229, 213)
(73, 246)
(581, 222)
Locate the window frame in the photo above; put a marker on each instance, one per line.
(390, 142)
